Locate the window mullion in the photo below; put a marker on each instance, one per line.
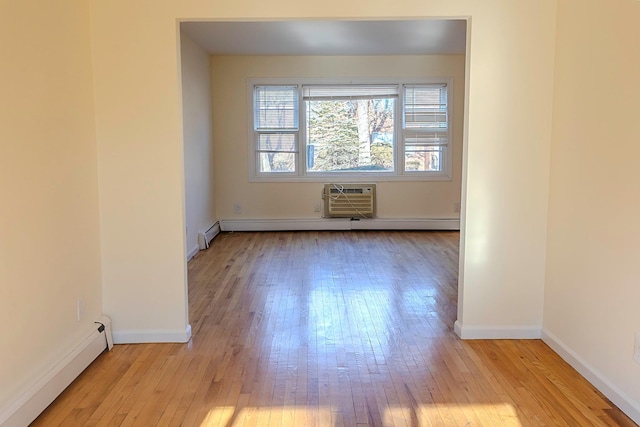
(302, 134)
(399, 133)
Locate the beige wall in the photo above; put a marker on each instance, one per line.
(141, 169)
(198, 144)
(592, 291)
(296, 200)
(49, 254)
(139, 134)
(49, 241)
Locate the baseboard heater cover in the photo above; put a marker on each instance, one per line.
(28, 405)
(206, 236)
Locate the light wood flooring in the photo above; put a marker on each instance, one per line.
(329, 329)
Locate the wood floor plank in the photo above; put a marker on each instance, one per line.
(329, 329)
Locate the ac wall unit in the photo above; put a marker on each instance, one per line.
(349, 200)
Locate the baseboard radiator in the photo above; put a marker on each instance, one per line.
(349, 201)
(206, 236)
(27, 406)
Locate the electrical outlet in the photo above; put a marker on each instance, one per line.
(237, 209)
(457, 206)
(316, 207)
(80, 308)
(636, 348)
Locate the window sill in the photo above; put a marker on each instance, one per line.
(364, 177)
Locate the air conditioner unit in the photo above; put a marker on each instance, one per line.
(349, 200)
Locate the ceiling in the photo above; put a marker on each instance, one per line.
(399, 37)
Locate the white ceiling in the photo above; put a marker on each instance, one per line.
(400, 37)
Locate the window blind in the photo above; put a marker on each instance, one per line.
(347, 92)
(425, 117)
(275, 107)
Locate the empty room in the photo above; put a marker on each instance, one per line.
(366, 213)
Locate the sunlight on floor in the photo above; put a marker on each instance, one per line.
(425, 415)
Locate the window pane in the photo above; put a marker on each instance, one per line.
(276, 107)
(355, 135)
(277, 142)
(423, 159)
(425, 107)
(277, 162)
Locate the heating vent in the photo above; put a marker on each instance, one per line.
(206, 236)
(349, 200)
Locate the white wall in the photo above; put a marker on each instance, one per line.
(139, 134)
(49, 241)
(296, 200)
(198, 144)
(592, 293)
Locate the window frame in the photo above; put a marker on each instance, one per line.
(294, 130)
(301, 174)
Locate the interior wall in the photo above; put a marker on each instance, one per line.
(268, 200)
(139, 134)
(592, 292)
(49, 240)
(198, 144)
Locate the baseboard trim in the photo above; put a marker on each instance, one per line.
(599, 381)
(325, 224)
(27, 406)
(193, 252)
(497, 332)
(152, 336)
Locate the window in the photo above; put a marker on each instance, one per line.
(310, 130)
(426, 128)
(349, 128)
(276, 126)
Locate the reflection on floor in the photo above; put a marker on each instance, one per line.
(329, 329)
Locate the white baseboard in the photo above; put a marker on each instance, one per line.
(599, 381)
(152, 336)
(193, 252)
(497, 332)
(27, 406)
(321, 224)
(406, 224)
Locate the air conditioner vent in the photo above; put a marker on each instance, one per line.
(347, 190)
(349, 200)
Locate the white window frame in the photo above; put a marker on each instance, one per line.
(292, 130)
(301, 175)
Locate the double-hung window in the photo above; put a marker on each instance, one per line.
(276, 129)
(312, 130)
(425, 128)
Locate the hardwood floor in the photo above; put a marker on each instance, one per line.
(329, 329)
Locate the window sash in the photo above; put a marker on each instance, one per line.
(425, 107)
(275, 107)
(277, 142)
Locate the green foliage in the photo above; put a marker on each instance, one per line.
(382, 155)
(333, 131)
